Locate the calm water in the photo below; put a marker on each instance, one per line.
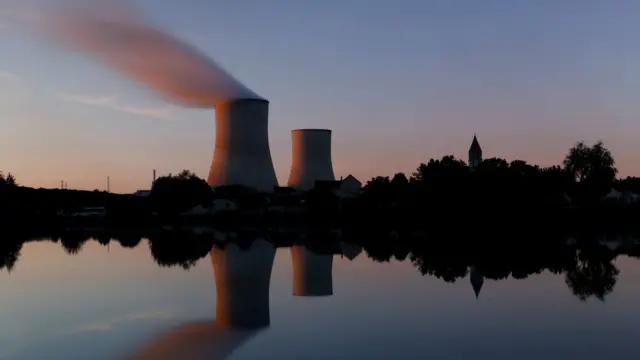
(114, 302)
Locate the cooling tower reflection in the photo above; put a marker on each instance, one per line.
(312, 272)
(242, 280)
(116, 35)
(242, 284)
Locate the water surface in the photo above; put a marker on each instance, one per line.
(108, 302)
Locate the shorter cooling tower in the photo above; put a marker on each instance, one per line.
(311, 158)
(242, 155)
(312, 272)
(242, 284)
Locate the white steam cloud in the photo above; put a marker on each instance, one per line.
(118, 37)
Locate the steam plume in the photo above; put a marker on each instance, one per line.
(118, 37)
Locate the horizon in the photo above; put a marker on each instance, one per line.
(398, 85)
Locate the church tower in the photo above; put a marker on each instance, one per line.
(475, 153)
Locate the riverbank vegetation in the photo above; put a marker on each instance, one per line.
(445, 192)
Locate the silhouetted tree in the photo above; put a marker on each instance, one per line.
(173, 194)
(377, 192)
(10, 180)
(399, 181)
(592, 168)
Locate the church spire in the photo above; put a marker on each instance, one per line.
(475, 153)
(475, 145)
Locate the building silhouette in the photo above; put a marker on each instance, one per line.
(475, 153)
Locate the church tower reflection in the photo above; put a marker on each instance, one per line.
(477, 280)
(312, 272)
(242, 277)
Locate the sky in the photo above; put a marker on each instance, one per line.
(398, 82)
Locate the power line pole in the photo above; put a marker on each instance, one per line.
(108, 184)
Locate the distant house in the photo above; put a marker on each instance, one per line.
(350, 187)
(90, 212)
(350, 251)
(343, 188)
(284, 190)
(143, 193)
(285, 199)
(216, 206)
(328, 185)
(624, 197)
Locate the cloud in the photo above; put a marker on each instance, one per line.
(89, 100)
(158, 113)
(111, 102)
(5, 75)
(112, 324)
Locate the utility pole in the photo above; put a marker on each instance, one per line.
(108, 184)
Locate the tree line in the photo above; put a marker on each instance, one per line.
(449, 191)
(586, 175)
(445, 189)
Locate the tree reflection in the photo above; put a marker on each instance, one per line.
(72, 242)
(445, 268)
(179, 248)
(9, 254)
(593, 275)
(586, 262)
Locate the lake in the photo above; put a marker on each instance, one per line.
(115, 302)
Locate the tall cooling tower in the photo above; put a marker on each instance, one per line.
(311, 158)
(312, 272)
(242, 155)
(242, 284)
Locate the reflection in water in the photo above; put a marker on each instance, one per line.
(9, 254)
(477, 280)
(593, 274)
(312, 272)
(242, 284)
(587, 264)
(242, 308)
(73, 242)
(350, 251)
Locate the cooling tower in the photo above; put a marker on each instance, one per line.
(311, 158)
(242, 155)
(242, 284)
(312, 272)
